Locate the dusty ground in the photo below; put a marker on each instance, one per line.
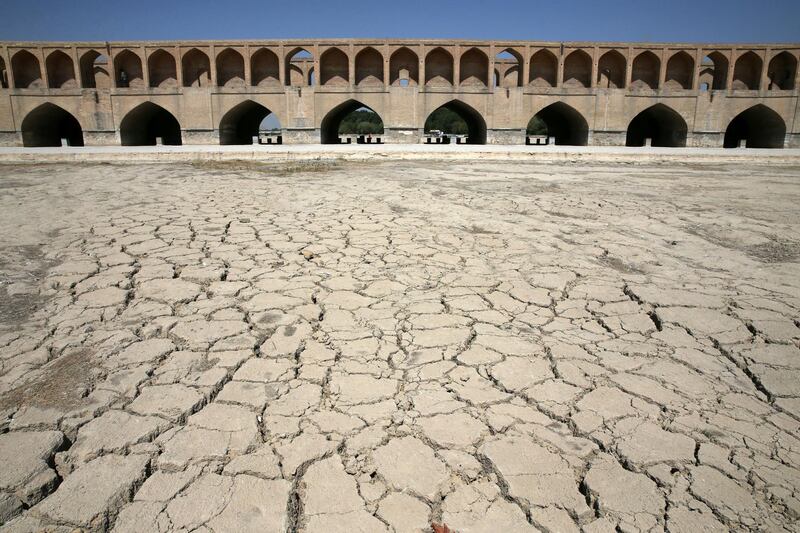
(378, 347)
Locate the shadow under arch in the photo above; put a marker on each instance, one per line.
(47, 124)
(241, 123)
(759, 126)
(564, 123)
(662, 124)
(476, 125)
(329, 128)
(145, 123)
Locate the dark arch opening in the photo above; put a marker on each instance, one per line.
(242, 123)
(759, 126)
(27, 73)
(664, 126)
(445, 117)
(561, 121)
(340, 115)
(48, 124)
(145, 123)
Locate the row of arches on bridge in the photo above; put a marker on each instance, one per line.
(404, 69)
(756, 127)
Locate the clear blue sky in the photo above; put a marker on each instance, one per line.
(612, 20)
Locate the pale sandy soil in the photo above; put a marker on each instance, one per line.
(328, 346)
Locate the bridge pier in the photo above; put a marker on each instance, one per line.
(402, 135)
(505, 136)
(301, 136)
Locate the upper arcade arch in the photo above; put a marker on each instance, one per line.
(162, 70)
(146, 123)
(60, 71)
(48, 124)
(661, 124)
(680, 71)
(439, 68)
(128, 70)
(714, 72)
(264, 68)
(611, 70)
(3, 75)
(27, 70)
(196, 68)
(334, 68)
(230, 68)
(543, 69)
(578, 69)
(782, 71)
(369, 68)
(299, 68)
(508, 68)
(474, 68)
(403, 67)
(747, 72)
(94, 70)
(646, 71)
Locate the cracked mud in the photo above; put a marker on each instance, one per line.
(350, 347)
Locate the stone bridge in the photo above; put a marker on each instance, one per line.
(210, 92)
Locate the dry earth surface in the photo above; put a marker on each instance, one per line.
(331, 347)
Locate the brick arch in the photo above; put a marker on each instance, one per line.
(27, 70)
(94, 70)
(680, 71)
(264, 68)
(512, 75)
(758, 127)
(230, 68)
(439, 67)
(60, 71)
(146, 122)
(611, 70)
(47, 124)
(646, 71)
(334, 67)
(329, 127)
(714, 71)
(565, 123)
(476, 124)
(162, 70)
(543, 69)
(241, 122)
(404, 65)
(578, 69)
(660, 123)
(474, 68)
(3, 74)
(196, 68)
(369, 67)
(781, 71)
(747, 72)
(299, 69)
(128, 69)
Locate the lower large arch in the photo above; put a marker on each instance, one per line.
(147, 122)
(329, 129)
(48, 124)
(476, 126)
(565, 124)
(659, 123)
(759, 126)
(241, 123)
